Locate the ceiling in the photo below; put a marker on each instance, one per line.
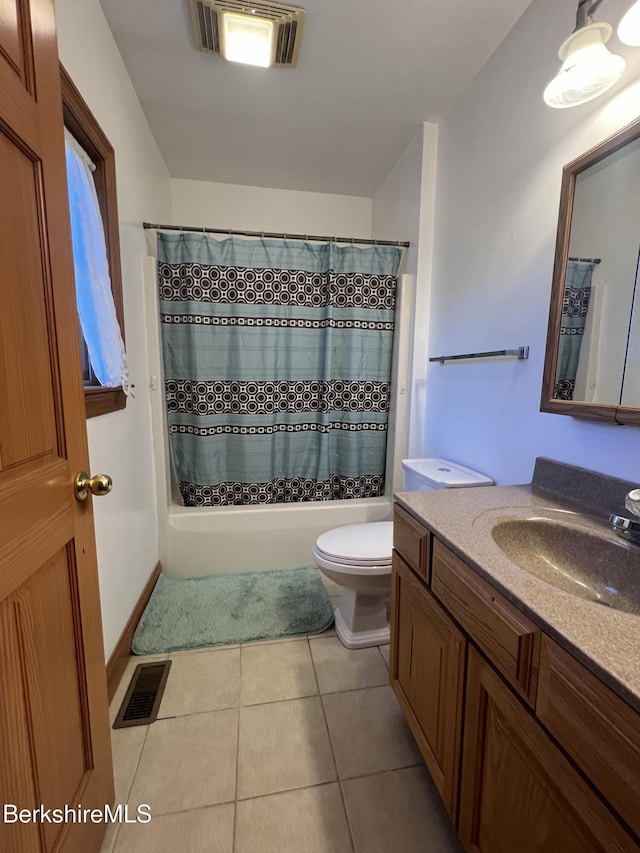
(369, 72)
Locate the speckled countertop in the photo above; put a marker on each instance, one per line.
(605, 640)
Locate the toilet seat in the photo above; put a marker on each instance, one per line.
(357, 545)
(363, 567)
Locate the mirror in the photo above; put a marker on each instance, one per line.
(592, 363)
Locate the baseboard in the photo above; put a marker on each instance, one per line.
(122, 652)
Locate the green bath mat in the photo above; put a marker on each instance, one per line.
(187, 613)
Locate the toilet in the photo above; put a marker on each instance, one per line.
(357, 557)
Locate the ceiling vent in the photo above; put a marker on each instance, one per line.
(287, 20)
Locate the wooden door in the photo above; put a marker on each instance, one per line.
(518, 790)
(54, 729)
(427, 674)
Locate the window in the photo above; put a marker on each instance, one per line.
(81, 124)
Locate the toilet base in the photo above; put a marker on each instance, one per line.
(361, 620)
(360, 639)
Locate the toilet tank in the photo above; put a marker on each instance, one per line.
(421, 475)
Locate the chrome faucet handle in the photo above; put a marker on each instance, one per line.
(632, 502)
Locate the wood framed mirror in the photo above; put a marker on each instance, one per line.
(592, 359)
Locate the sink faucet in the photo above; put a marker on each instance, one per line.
(629, 528)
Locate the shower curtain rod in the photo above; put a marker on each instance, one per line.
(278, 235)
(587, 260)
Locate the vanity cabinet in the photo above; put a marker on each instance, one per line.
(427, 673)
(518, 791)
(528, 749)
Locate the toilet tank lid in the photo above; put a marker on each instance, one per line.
(445, 474)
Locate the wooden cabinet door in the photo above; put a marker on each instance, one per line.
(596, 728)
(518, 791)
(54, 728)
(427, 671)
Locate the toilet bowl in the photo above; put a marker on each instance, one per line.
(358, 558)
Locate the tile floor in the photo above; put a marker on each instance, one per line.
(289, 746)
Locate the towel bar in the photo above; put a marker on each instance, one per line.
(520, 353)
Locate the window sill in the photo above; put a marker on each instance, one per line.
(101, 401)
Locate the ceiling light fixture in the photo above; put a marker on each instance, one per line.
(629, 26)
(589, 68)
(263, 32)
(247, 39)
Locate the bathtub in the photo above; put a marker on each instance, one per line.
(222, 540)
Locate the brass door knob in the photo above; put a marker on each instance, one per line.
(99, 485)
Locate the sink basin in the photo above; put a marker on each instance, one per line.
(574, 560)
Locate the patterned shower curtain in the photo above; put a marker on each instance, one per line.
(277, 360)
(575, 306)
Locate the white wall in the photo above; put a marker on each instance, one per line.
(396, 203)
(120, 443)
(501, 151)
(200, 203)
(404, 209)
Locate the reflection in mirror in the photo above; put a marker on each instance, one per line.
(592, 359)
(599, 287)
(574, 375)
(631, 378)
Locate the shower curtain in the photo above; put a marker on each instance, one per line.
(277, 360)
(575, 306)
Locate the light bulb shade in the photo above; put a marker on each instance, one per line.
(247, 39)
(588, 70)
(629, 26)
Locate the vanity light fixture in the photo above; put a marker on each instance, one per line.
(629, 26)
(588, 68)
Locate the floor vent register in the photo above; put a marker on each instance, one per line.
(144, 694)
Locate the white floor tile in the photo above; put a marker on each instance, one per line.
(368, 732)
(126, 746)
(339, 668)
(399, 811)
(275, 672)
(283, 745)
(187, 762)
(308, 820)
(202, 681)
(207, 830)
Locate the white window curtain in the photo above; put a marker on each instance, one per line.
(96, 308)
